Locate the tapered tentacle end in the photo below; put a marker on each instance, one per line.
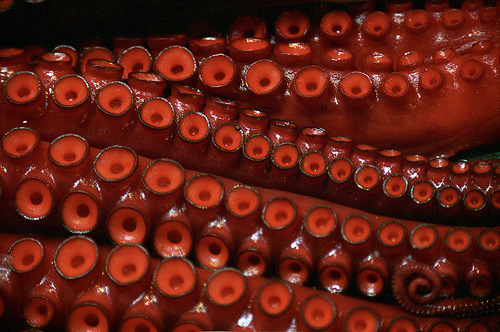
(417, 287)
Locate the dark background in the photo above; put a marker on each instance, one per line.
(55, 22)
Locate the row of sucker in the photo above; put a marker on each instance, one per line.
(54, 283)
(256, 148)
(320, 83)
(66, 187)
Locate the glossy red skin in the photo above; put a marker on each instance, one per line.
(418, 128)
(62, 179)
(103, 130)
(145, 87)
(356, 140)
(99, 74)
(411, 124)
(44, 281)
(260, 321)
(56, 66)
(313, 250)
(10, 62)
(398, 39)
(421, 123)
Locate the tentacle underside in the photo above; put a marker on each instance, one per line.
(291, 170)
(416, 288)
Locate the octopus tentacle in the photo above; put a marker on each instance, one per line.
(100, 286)
(126, 198)
(416, 287)
(469, 188)
(331, 103)
(320, 127)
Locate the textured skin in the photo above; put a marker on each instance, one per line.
(413, 275)
(416, 103)
(90, 119)
(116, 304)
